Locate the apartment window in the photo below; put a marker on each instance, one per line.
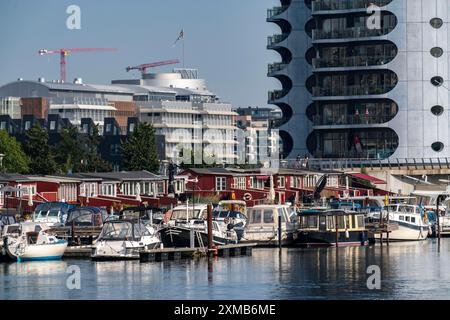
(27, 125)
(281, 182)
(239, 183)
(221, 183)
(52, 125)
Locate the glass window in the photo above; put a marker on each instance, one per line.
(408, 218)
(413, 219)
(436, 23)
(402, 218)
(255, 216)
(268, 216)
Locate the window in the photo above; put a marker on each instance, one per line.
(52, 125)
(239, 183)
(221, 183)
(281, 182)
(413, 219)
(437, 110)
(437, 146)
(408, 219)
(361, 223)
(268, 216)
(436, 23)
(436, 52)
(255, 216)
(437, 81)
(402, 218)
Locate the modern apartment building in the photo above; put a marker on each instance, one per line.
(362, 79)
(11, 106)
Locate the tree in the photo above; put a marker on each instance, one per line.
(15, 160)
(139, 150)
(92, 160)
(37, 148)
(68, 152)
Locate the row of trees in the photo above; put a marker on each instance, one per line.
(74, 152)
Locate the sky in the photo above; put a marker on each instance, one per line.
(224, 39)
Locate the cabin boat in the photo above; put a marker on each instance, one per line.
(83, 225)
(7, 219)
(195, 234)
(122, 240)
(410, 221)
(232, 213)
(51, 213)
(185, 215)
(262, 226)
(30, 241)
(317, 228)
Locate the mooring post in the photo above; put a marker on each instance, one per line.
(438, 220)
(279, 232)
(210, 228)
(337, 230)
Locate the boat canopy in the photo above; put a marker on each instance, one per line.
(120, 230)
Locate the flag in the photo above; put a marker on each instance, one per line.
(180, 37)
(358, 144)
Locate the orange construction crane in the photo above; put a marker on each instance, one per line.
(143, 67)
(65, 52)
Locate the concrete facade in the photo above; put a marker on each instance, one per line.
(416, 130)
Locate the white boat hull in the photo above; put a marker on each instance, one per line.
(33, 252)
(122, 250)
(406, 233)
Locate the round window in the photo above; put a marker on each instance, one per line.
(437, 52)
(437, 81)
(436, 23)
(437, 146)
(437, 110)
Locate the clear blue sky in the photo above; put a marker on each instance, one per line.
(225, 40)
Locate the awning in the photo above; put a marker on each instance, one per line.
(366, 177)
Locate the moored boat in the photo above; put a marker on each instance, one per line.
(330, 228)
(32, 242)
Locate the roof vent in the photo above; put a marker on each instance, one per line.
(78, 81)
(41, 80)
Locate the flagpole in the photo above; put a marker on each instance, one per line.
(183, 53)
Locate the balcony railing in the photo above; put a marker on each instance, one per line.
(275, 67)
(352, 90)
(275, 11)
(357, 61)
(275, 39)
(277, 94)
(329, 5)
(361, 119)
(351, 33)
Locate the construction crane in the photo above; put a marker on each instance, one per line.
(143, 67)
(65, 52)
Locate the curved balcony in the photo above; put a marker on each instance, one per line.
(350, 120)
(287, 115)
(276, 95)
(366, 90)
(273, 41)
(352, 62)
(275, 11)
(351, 33)
(275, 67)
(343, 5)
(368, 143)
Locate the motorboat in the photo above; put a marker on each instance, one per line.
(31, 241)
(262, 226)
(232, 213)
(410, 222)
(122, 239)
(331, 227)
(7, 219)
(184, 215)
(195, 234)
(51, 213)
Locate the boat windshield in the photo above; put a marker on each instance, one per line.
(53, 214)
(180, 214)
(117, 230)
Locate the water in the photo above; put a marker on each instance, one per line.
(408, 271)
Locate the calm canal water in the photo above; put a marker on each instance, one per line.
(408, 271)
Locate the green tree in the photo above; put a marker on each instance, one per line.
(68, 151)
(42, 160)
(92, 160)
(139, 150)
(15, 160)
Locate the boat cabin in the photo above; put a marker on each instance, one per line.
(86, 217)
(317, 220)
(52, 212)
(267, 216)
(123, 230)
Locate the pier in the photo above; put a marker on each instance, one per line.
(232, 250)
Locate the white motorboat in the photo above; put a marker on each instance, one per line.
(262, 225)
(30, 241)
(410, 221)
(122, 240)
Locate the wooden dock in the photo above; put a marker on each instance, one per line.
(232, 250)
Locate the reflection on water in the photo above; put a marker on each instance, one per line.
(409, 271)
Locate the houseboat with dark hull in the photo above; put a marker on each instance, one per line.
(325, 228)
